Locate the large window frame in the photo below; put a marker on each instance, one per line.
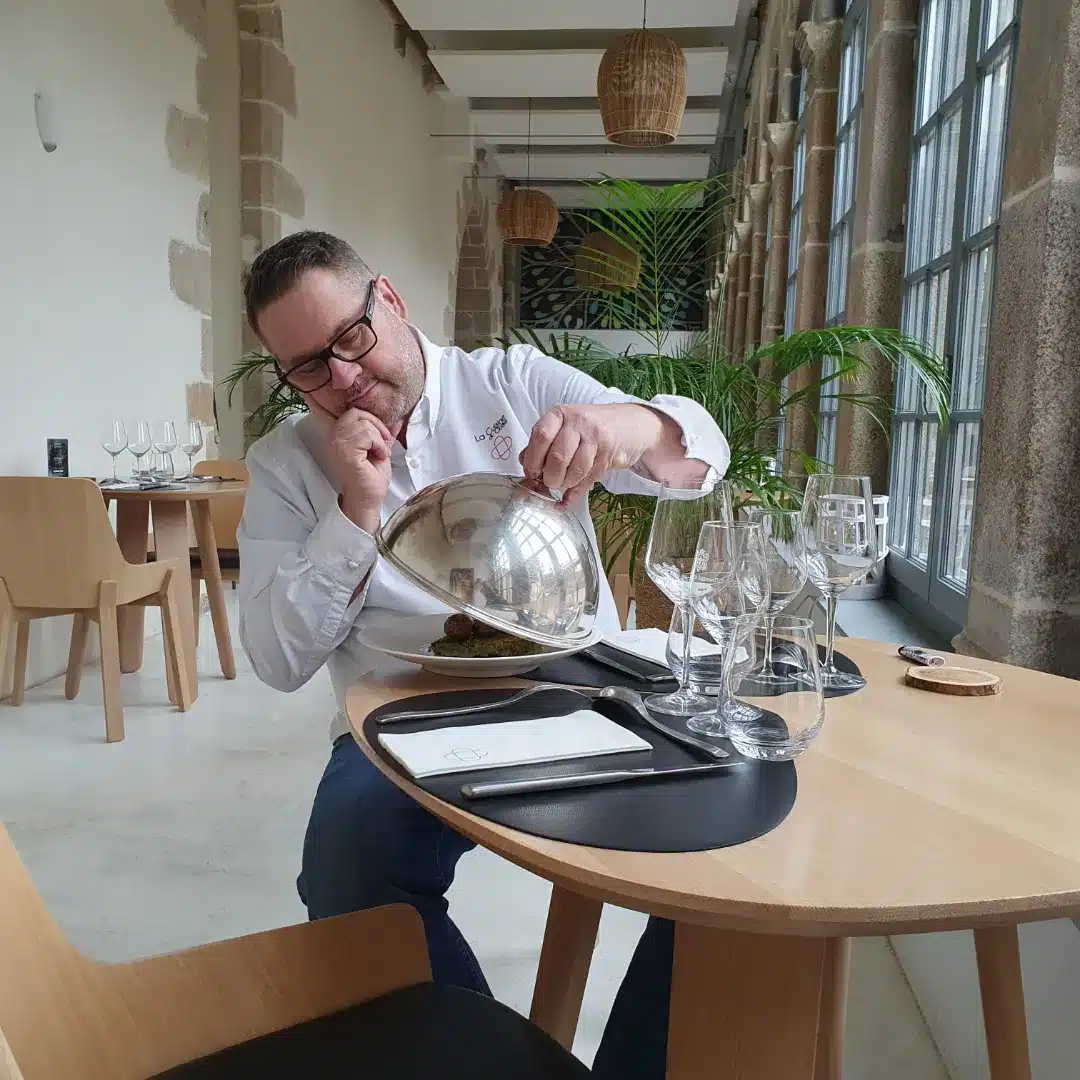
(798, 191)
(964, 88)
(849, 107)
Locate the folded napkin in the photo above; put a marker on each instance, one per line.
(651, 644)
(512, 742)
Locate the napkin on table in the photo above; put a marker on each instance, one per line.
(512, 742)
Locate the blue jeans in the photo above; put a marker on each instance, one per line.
(369, 844)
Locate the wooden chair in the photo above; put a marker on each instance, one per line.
(225, 515)
(59, 556)
(335, 998)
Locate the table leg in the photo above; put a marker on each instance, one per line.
(743, 1005)
(833, 1010)
(171, 542)
(569, 940)
(132, 530)
(997, 951)
(215, 589)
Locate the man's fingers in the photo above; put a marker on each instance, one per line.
(577, 493)
(382, 429)
(559, 456)
(582, 468)
(543, 434)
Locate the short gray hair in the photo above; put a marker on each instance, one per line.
(278, 269)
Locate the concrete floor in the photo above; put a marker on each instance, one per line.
(190, 831)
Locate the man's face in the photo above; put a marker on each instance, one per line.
(387, 381)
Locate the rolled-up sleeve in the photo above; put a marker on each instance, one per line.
(549, 382)
(299, 576)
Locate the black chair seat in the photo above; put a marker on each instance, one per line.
(426, 1032)
(227, 559)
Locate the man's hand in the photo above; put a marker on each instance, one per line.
(360, 445)
(572, 446)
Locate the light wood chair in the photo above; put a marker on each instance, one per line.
(59, 556)
(275, 1004)
(225, 515)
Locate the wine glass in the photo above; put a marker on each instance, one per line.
(669, 559)
(771, 726)
(114, 444)
(730, 578)
(140, 445)
(785, 558)
(841, 548)
(167, 443)
(192, 444)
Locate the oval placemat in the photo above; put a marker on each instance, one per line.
(686, 814)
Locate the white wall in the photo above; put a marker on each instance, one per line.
(91, 330)
(362, 150)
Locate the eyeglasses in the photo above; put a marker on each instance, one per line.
(350, 346)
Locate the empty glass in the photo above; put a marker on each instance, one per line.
(773, 724)
(785, 557)
(729, 579)
(841, 548)
(192, 444)
(669, 558)
(162, 468)
(139, 445)
(115, 443)
(706, 657)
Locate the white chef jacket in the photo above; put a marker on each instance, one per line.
(301, 558)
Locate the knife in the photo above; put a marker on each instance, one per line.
(487, 789)
(614, 665)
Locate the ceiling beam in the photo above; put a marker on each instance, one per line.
(602, 149)
(689, 37)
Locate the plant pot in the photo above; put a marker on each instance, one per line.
(652, 606)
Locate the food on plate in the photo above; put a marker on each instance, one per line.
(471, 639)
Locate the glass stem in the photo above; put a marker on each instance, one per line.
(830, 631)
(113, 456)
(769, 670)
(688, 641)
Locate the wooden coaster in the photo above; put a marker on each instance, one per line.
(962, 682)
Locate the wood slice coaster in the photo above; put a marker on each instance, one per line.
(962, 682)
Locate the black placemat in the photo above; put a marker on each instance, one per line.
(845, 664)
(581, 670)
(693, 814)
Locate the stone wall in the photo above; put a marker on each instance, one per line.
(476, 318)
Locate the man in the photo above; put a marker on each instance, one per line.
(390, 413)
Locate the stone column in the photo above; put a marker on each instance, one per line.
(742, 234)
(759, 220)
(780, 139)
(1025, 565)
(731, 291)
(876, 272)
(819, 49)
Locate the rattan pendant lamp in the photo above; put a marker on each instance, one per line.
(527, 218)
(641, 86)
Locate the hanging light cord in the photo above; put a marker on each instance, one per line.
(528, 149)
(644, 13)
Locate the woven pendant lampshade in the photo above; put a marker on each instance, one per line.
(607, 264)
(641, 85)
(527, 217)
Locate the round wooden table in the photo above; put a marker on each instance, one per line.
(168, 507)
(916, 812)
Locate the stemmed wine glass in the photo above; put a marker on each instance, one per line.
(785, 558)
(669, 559)
(730, 578)
(165, 446)
(114, 444)
(140, 445)
(192, 444)
(763, 724)
(841, 549)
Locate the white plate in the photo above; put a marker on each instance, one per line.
(408, 637)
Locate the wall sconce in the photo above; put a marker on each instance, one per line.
(46, 121)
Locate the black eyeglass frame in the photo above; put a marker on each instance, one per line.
(325, 354)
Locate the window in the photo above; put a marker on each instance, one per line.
(798, 177)
(965, 66)
(848, 116)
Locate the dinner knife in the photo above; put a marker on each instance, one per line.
(486, 789)
(606, 661)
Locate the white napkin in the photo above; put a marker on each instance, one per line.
(513, 742)
(651, 644)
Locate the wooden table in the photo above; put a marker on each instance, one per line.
(169, 511)
(916, 812)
